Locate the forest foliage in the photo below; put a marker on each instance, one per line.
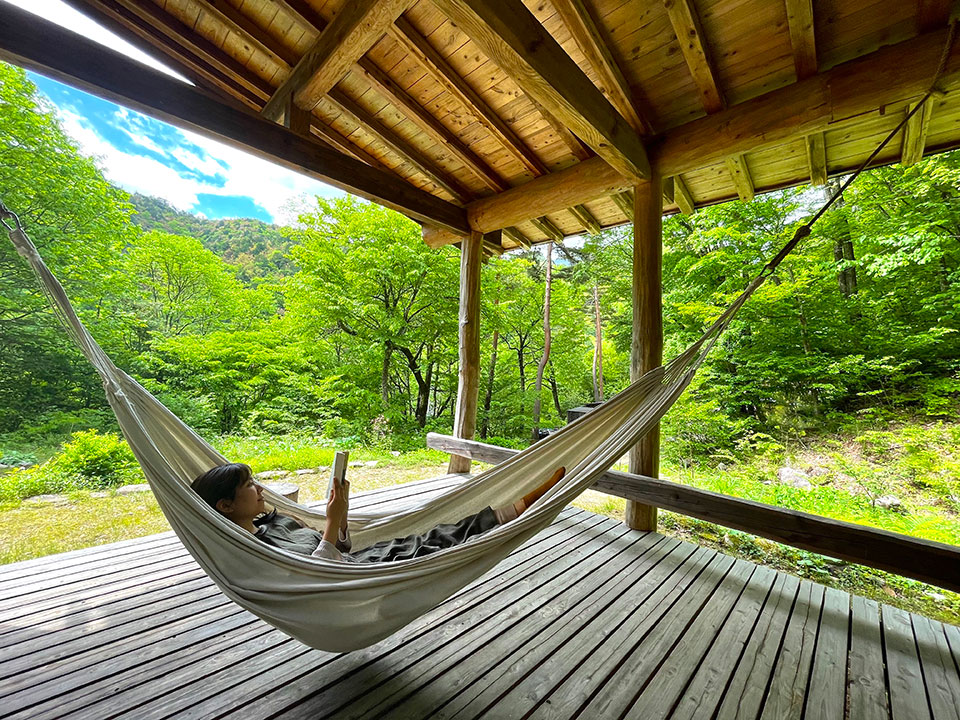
(344, 325)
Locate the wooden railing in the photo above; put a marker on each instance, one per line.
(925, 560)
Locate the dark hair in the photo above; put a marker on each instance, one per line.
(221, 482)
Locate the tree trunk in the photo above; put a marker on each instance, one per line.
(843, 247)
(535, 435)
(598, 349)
(488, 398)
(555, 391)
(385, 374)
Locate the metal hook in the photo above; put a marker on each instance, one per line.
(7, 214)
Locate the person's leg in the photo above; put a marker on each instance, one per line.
(440, 537)
(510, 512)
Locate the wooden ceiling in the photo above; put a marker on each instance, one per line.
(466, 99)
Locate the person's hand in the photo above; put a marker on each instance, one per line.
(338, 504)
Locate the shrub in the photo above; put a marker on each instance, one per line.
(17, 457)
(98, 460)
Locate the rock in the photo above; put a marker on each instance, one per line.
(371, 463)
(793, 478)
(356, 463)
(887, 502)
(935, 596)
(267, 474)
(290, 491)
(817, 471)
(133, 489)
(889, 591)
(100, 494)
(395, 453)
(306, 472)
(722, 467)
(47, 500)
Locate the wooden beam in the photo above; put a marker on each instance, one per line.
(933, 14)
(354, 30)
(517, 237)
(151, 41)
(178, 33)
(817, 158)
(586, 32)
(646, 347)
(682, 196)
(842, 95)
(435, 237)
(44, 47)
(624, 201)
(893, 74)
(468, 384)
(924, 560)
(546, 226)
(398, 145)
(515, 40)
(296, 119)
(392, 91)
(551, 193)
(238, 23)
(737, 165)
(447, 77)
(802, 37)
(693, 46)
(586, 219)
(915, 133)
(573, 143)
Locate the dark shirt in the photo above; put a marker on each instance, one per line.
(286, 533)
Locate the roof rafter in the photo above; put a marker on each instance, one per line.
(149, 39)
(508, 33)
(693, 46)
(830, 99)
(440, 70)
(915, 133)
(802, 37)
(369, 122)
(586, 32)
(29, 41)
(816, 145)
(933, 14)
(354, 30)
(737, 165)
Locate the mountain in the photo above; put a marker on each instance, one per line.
(258, 249)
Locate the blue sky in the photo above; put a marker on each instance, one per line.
(190, 171)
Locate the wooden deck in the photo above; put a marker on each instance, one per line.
(588, 619)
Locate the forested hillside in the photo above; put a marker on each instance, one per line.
(259, 250)
(345, 326)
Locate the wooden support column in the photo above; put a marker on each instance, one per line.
(646, 349)
(468, 387)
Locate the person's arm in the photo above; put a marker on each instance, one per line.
(337, 507)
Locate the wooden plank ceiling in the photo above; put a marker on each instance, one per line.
(466, 99)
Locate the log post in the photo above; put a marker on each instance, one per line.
(646, 348)
(468, 386)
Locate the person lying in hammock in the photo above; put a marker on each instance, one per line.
(231, 490)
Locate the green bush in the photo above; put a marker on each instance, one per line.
(17, 457)
(99, 460)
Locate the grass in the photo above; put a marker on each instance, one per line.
(918, 463)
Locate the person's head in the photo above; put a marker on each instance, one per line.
(231, 490)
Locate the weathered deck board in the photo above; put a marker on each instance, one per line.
(588, 618)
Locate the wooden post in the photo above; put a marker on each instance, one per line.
(646, 349)
(468, 388)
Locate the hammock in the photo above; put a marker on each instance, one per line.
(343, 606)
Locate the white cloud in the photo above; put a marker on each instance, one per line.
(270, 186)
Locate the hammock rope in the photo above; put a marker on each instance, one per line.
(343, 606)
